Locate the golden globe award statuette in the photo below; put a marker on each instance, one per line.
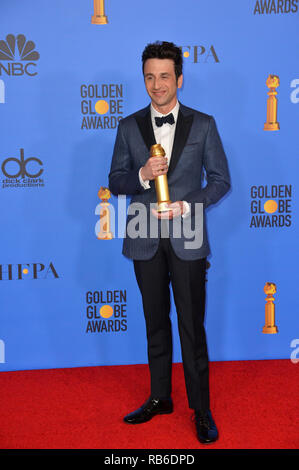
(161, 182)
(270, 327)
(104, 233)
(99, 16)
(272, 124)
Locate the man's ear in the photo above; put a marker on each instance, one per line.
(180, 81)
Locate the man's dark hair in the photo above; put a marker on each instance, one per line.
(164, 50)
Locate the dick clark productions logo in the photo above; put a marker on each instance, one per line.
(22, 172)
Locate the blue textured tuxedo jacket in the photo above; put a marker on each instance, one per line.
(197, 145)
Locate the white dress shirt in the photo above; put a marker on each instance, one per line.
(164, 136)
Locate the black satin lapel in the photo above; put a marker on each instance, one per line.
(146, 129)
(182, 130)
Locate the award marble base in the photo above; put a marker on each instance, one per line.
(99, 19)
(270, 329)
(163, 206)
(105, 236)
(271, 126)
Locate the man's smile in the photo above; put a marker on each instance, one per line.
(159, 93)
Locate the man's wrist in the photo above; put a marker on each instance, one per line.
(186, 209)
(144, 183)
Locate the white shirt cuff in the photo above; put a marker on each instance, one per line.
(186, 209)
(145, 184)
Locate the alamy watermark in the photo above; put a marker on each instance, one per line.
(295, 353)
(142, 223)
(2, 351)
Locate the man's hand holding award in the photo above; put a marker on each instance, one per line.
(156, 168)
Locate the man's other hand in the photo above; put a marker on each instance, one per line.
(176, 209)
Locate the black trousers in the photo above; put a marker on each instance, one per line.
(188, 284)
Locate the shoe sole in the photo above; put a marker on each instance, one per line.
(208, 442)
(145, 421)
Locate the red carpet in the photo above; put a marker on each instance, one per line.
(255, 405)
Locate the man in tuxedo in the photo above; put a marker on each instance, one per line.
(192, 143)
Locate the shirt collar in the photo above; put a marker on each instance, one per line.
(174, 111)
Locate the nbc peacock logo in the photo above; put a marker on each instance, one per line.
(18, 56)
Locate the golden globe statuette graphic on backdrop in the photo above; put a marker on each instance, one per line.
(99, 16)
(271, 124)
(270, 327)
(161, 182)
(104, 233)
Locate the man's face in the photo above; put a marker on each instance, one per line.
(161, 84)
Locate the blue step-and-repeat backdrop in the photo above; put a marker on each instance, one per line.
(69, 299)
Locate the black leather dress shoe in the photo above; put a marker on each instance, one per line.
(151, 408)
(206, 428)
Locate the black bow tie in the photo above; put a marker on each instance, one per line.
(162, 120)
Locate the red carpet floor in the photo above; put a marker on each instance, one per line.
(255, 405)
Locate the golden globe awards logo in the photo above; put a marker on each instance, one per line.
(271, 206)
(268, 7)
(106, 311)
(101, 105)
(18, 56)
